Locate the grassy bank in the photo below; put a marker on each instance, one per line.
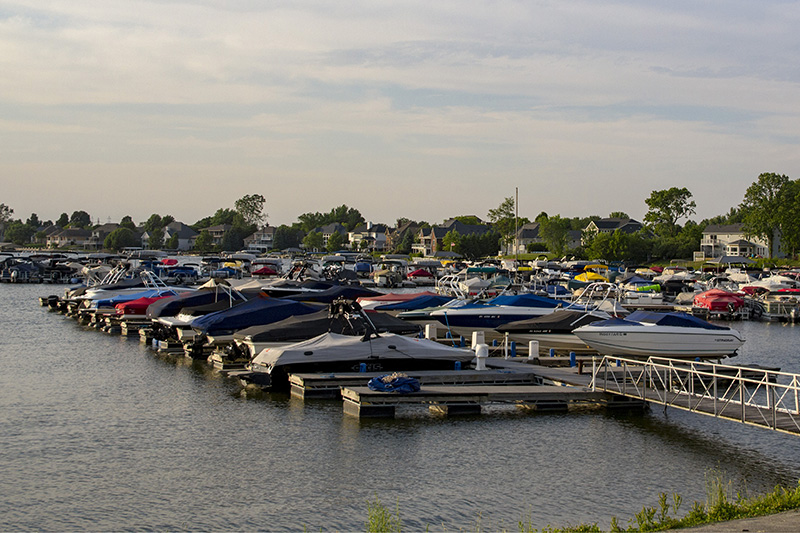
(721, 504)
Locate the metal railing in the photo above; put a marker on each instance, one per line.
(761, 397)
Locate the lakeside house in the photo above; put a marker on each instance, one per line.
(369, 236)
(731, 239)
(262, 240)
(431, 239)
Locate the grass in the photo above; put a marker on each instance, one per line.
(722, 504)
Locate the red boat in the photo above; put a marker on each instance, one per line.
(137, 307)
(719, 301)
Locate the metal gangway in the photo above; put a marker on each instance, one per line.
(760, 397)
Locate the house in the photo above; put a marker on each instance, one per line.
(526, 235)
(69, 237)
(218, 232)
(610, 225)
(368, 236)
(262, 240)
(731, 239)
(186, 235)
(431, 239)
(395, 237)
(99, 235)
(329, 230)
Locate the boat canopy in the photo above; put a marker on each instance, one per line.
(260, 310)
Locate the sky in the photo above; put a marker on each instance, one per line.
(423, 110)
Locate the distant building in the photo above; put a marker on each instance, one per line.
(99, 235)
(731, 239)
(69, 237)
(329, 230)
(262, 240)
(368, 236)
(186, 235)
(431, 239)
(218, 233)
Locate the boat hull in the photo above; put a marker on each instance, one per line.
(683, 343)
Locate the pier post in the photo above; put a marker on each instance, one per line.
(533, 350)
(481, 353)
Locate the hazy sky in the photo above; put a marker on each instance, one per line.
(423, 110)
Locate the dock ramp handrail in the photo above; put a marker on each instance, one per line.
(756, 396)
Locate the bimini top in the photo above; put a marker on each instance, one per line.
(674, 319)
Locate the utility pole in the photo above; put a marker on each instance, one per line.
(516, 225)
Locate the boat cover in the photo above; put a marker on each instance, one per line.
(297, 328)
(718, 300)
(121, 298)
(138, 306)
(259, 310)
(173, 305)
(562, 320)
(327, 296)
(332, 347)
(420, 302)
(676, 319)
(524, 300)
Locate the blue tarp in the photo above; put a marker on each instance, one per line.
(390, 383)
(672, 319)
(259, 310)
(420, 302)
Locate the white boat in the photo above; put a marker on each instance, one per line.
(331, 352)
(676, 335)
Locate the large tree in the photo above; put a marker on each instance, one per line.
(120, 238)
(335, 242)
(555, 232)
(80, 219)
(762, 207)
(668, 206)
(504, 220)
(251, 208)
(313, 241)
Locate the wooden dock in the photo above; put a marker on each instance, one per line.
(330, 385)
(466, 399)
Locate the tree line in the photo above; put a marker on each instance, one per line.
(767, 211)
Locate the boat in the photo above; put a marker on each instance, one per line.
(487, 315)
(718, 301)
(675, 335)
(554, 331)
(332, 352)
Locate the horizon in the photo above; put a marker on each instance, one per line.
(397, 110)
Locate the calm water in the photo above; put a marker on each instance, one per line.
(99, 433)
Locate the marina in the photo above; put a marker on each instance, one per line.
(543, 392)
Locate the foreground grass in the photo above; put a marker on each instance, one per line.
(721, 505)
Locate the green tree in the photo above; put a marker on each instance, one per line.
(618, 214)
(555, 232)
(789, 201)
(335, 242)
(172, 242)
(313, 241)
(451, 242)
(156, 240)
(63, 221)
(19, 233)
(80, 219)
(152, 223)
(34, 221)
(5, 217)
(470, 220)
(287, 237)
(233, 239)
(763, 213)
(668, 206)
(120, 238)
(204, 241)
(251, 209)
(504, 221)
(127, 222)
(476, 246)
